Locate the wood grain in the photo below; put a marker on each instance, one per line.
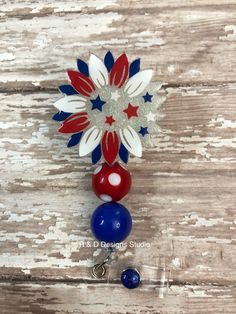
(47, 200)
(182, 198)
(186, 43)
(93, 299)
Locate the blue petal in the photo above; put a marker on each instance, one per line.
(67, 89)
(74, 140)
(61, 116)
(83, 67)
(123, 153)
(109, 61)
(96, 154)
(134, 67)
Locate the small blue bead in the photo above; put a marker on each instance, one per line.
(111, 222)
(130, 278)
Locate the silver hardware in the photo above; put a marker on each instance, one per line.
(99, 270)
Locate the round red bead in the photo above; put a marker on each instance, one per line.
(111, 182)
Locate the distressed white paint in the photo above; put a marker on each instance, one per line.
(203, 222)
(31, 7)
(231, 33)
(176, 262)
(181, 199)
(7, 56)
(45, 35)
(221, 122)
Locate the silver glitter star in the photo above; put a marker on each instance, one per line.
(150, 116)
(115, 95)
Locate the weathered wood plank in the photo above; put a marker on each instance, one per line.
(182, 201)
(88, 299)
(185, 43)
(187, 214)
(34, 8)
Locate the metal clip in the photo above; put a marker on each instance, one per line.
(99, 270)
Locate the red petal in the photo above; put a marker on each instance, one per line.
(119, 71)
(110, 146)
(81, 83)
(75, 123)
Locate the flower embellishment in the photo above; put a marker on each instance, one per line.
(109, 107)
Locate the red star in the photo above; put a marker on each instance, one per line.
(131, 111)
(109, 120)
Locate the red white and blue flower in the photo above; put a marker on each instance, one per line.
(108, 109)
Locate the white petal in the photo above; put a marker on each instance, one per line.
(97, 71)
(131, 141)
(73, 103)
(89, 141)
(137, 83)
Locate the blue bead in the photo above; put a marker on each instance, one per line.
(130, 278)
(111, 222)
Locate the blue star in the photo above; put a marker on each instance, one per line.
(143, 131)
(147, 97)
(97, 103)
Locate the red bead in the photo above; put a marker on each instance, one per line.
(111, 182)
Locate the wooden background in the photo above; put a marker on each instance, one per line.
(183, 195)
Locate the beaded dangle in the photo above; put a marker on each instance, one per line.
(110, 109)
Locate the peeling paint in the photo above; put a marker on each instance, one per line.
(221, 122)
(7, 56)
(231, 33)
(203, 222)
(176, 262)
(182, 199)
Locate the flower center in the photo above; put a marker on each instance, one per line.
(110, 109)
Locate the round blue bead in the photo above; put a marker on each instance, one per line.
(130, 278)
(111, 222)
